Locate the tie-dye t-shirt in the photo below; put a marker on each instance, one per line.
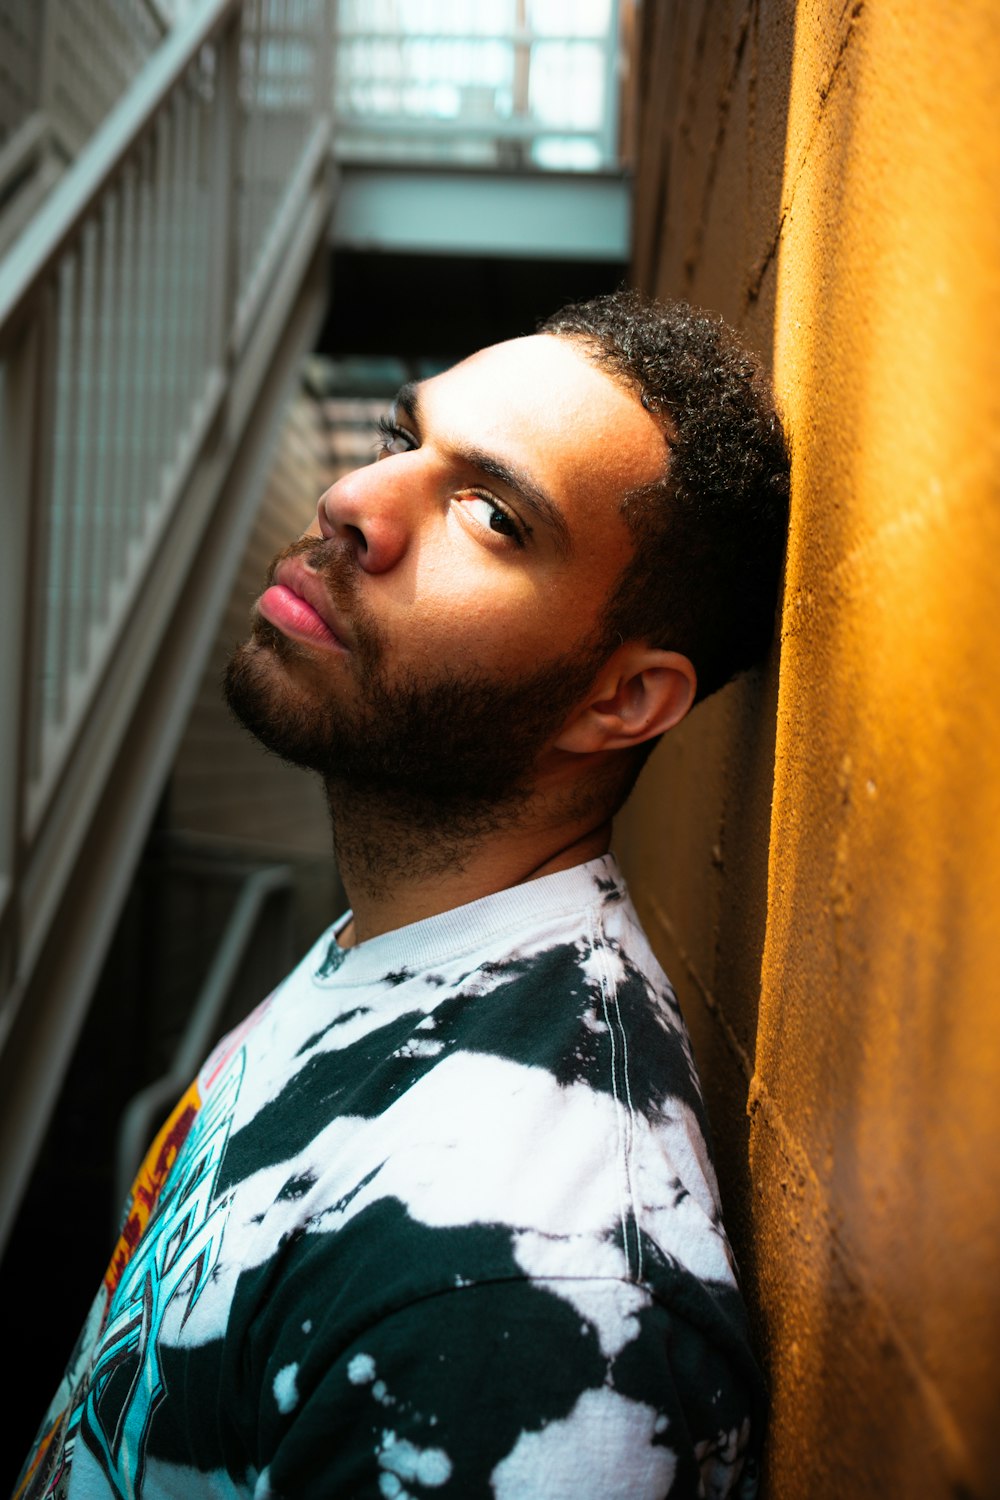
(438, 1220)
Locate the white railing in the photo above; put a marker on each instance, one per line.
(91, 52)
(72, 59)
(261, 906)
(483, 83)
(137, 323)
(63, 64)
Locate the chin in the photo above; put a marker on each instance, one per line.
(267, 700)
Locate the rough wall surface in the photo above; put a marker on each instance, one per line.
(817, 851)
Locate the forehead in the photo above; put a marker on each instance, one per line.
(542, 403)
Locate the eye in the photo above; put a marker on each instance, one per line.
(393, 439)
(492, 516)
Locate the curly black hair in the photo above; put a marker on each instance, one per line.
(710, 536)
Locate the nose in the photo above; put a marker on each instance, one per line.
(371, 510)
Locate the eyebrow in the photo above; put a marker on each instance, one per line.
(512, 476)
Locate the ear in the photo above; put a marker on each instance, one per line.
(639, 694)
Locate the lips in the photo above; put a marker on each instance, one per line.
(296, 603)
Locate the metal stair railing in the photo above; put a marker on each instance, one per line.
(160, 293)
(146, 1111)
(63, 64)
(71, 60)
(91, 52)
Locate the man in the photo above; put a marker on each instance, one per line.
(440, 1217)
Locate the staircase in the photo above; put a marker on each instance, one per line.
(164, 200)
(167, 198)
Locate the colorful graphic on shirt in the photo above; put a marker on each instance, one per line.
(174, 1259)
(149, 1183)
(142, 1202)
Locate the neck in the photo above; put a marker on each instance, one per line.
(401, 862)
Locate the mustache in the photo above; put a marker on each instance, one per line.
(333, 561)
(330, 559)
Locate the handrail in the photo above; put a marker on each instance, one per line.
(139, 1115)
(36, 252)
(65, 63)
(90, 51)
(159, 16)
(123, 311)
(150, 318)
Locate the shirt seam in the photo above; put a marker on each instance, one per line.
(622, 1096)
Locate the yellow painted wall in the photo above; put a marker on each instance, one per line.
(818, 851)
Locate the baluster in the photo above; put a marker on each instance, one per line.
(251, 150)
(76, 519)
(171, 290)
(141, 433)
(225, 200)
(26, 402)
(160, 271)
(196, 218)
(106, 341)
(185, 269)
(58, 517)
(202, 347)
(126, 412)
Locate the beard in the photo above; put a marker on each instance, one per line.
(454, 747)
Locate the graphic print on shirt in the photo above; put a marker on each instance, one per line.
(175, 1259)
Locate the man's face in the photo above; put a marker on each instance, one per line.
(440, 618)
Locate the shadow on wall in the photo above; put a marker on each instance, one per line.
(714, 89)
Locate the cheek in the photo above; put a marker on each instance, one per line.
(453, 622)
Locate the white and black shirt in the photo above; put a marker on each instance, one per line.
(438, 1220)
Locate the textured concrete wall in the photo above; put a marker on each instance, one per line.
(818, 851)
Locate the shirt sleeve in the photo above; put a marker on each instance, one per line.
(509, 1389)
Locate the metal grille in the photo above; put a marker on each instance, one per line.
(70, 60)
(93, 51)
(20, 64)
(115, 380)
(130, 319)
